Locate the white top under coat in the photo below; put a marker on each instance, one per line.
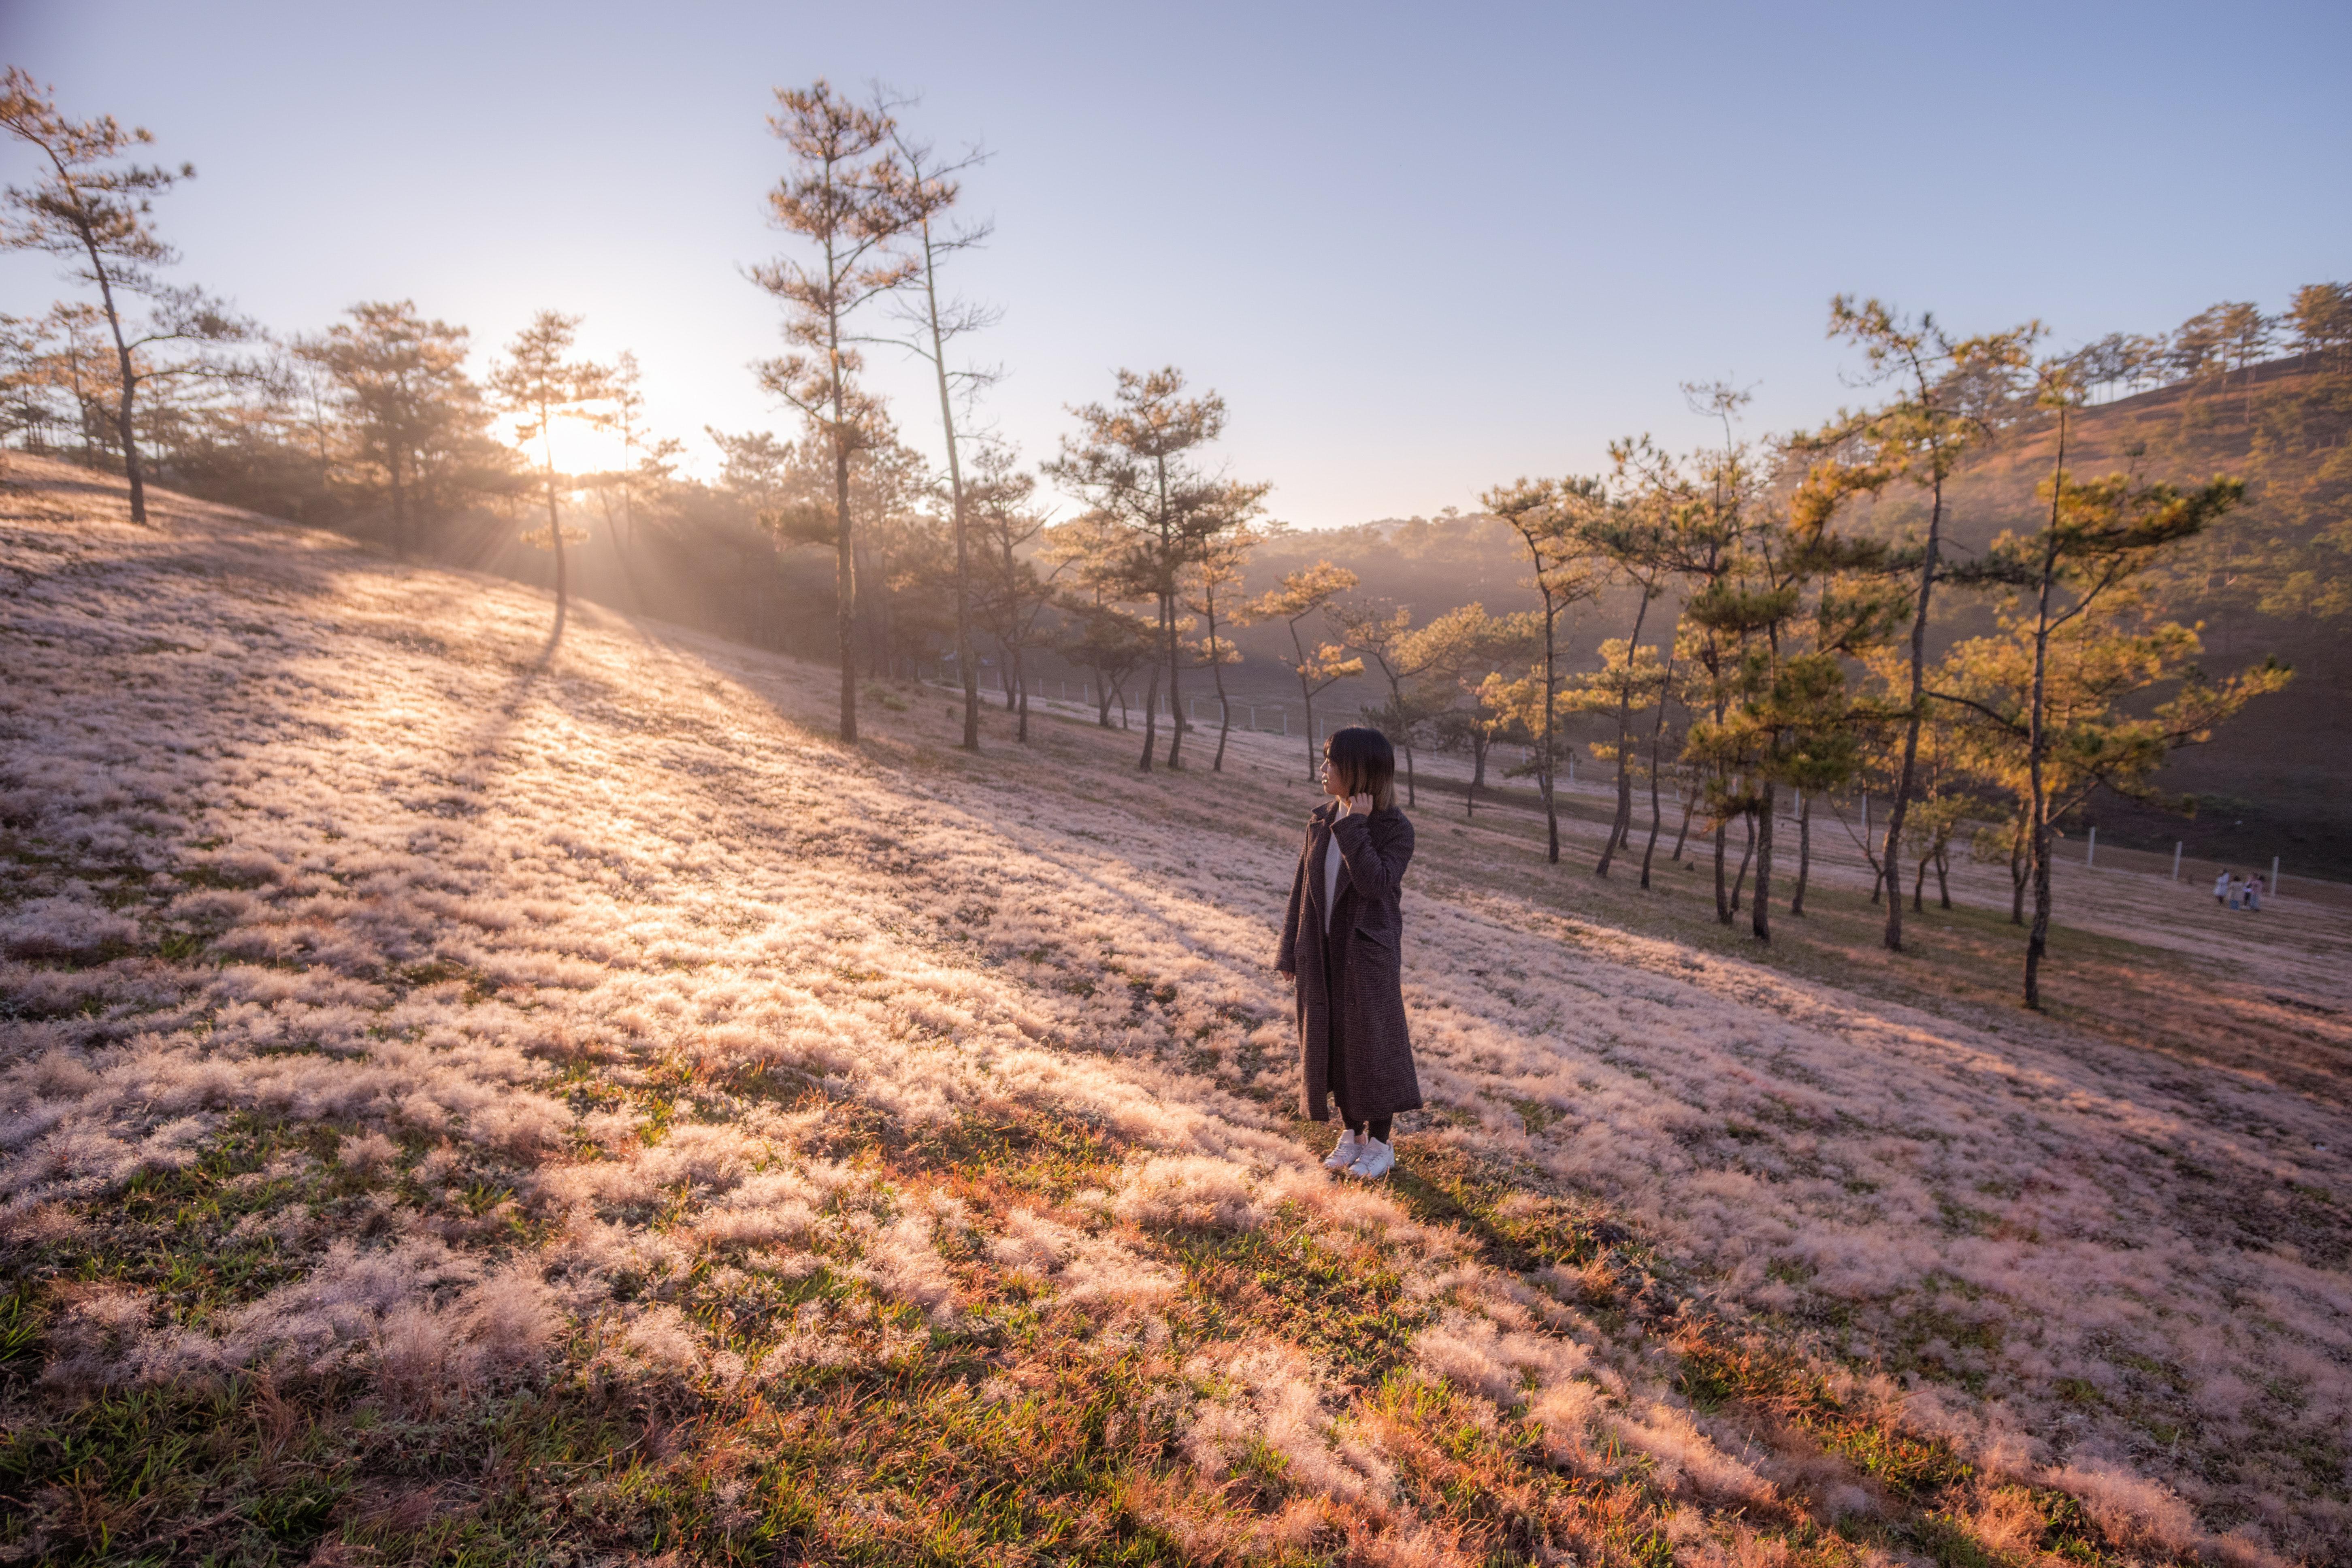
(1331, 864)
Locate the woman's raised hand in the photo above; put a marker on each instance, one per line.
(1359, 806)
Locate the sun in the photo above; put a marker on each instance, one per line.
(581, 447)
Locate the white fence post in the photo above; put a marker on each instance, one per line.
(2273, 889)
(2175, 859)
(2091, 850)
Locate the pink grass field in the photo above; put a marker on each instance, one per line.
(300, 832)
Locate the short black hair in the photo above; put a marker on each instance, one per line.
(1366, 763)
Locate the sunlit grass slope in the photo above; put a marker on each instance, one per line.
(475, 1096)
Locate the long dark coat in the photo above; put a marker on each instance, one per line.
(1378, 1065)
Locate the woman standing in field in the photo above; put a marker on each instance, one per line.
(1340, 952)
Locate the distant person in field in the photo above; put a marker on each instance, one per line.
(2254, 892)
(1339, 946)
(2237, 891)
(2221, 888)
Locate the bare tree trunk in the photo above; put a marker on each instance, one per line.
(1021, 679)
(1682, 837)
(130, 456)
(1760, 919)
(1919, 884)
(1884, 872)
(1550, 752)
(1725, 897)
(1804, 853)
(1551, 813)
(1944, 875)
(844, 557)
(1650, 850)
(881, 622)
(1168, 630)
(1903, 783)
(845, 593)
(1150, 720)
(964, 662)
(1747, 855)
(1175, 699)
(124, 424)
(1314, 761)
(555, 538)
(399, 513)
(1217, 674)
(2037, 938)
(1621, 826)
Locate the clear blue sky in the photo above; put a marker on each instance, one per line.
(1420, 250)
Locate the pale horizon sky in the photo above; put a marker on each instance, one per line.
(1420, 251)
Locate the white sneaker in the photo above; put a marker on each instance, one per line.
(1376, 1160)
(1345, 1154)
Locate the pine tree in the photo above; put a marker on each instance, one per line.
(932, 191)
(541, 385)
(1213, 591)
(1303, 593)
(1134, 465)
(92, 207)
(1640, 539)
(1798, 604)
(1009, 596)
(404, 394)
(847, 195)
(1549, 516)
(1467, 649)
(2059, 692)
(1939, 408)
(1383, 632)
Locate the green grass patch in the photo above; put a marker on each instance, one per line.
(1339, 1298)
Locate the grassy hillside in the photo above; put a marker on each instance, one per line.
(469, 1094)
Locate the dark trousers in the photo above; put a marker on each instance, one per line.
(1335, 987)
